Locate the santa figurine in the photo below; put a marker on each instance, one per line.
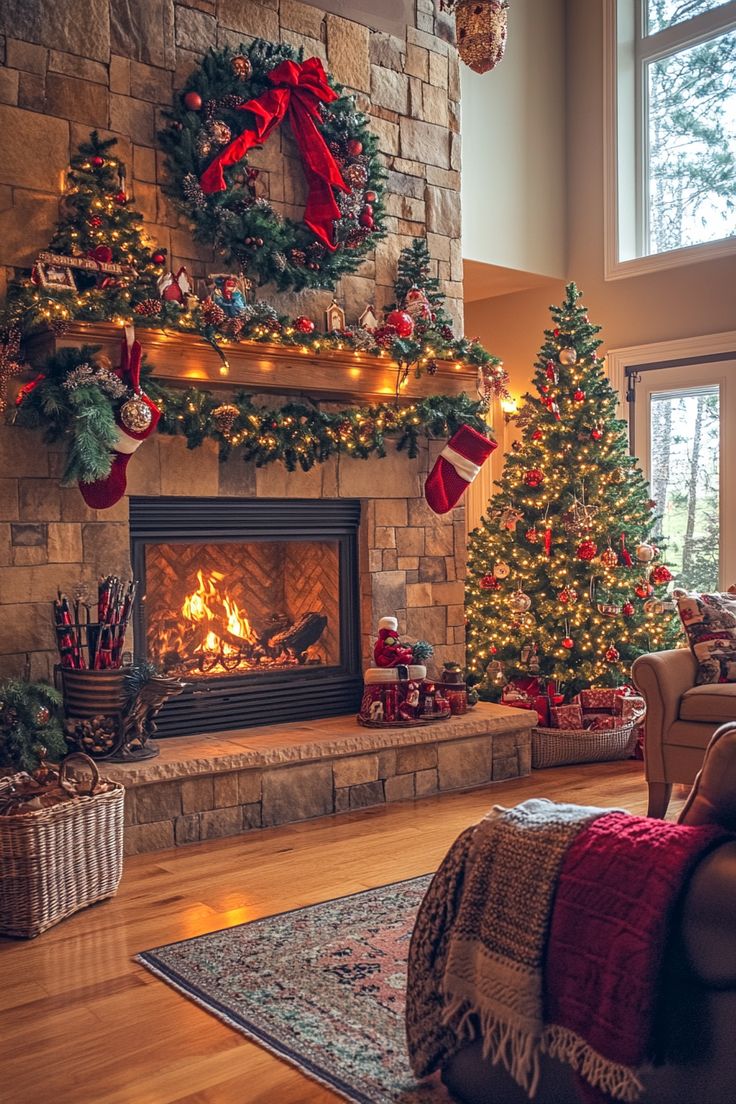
(388, 650)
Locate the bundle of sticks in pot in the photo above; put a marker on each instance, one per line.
(94, 644)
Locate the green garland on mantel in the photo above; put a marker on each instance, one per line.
(75, 400)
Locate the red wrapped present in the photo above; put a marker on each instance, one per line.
(629, 708)
(566, 716)
(599, 722)
(527, 693)
(599, 700)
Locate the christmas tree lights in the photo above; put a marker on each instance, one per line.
(561, 579)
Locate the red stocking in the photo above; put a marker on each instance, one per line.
(456, 467)
(136, 420)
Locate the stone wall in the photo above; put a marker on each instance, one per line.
(115, 65)
(412, 561)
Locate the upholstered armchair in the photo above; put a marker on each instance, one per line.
(681, 718)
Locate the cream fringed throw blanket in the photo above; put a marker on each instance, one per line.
(478, 945)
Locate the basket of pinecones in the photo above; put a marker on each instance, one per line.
(61, 843)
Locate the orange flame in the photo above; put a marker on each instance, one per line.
(209, 603)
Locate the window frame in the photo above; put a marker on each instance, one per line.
(626, 52)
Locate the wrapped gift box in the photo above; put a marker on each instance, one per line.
(598, 701)
(600, 722)
(566, 716)
(629, 708)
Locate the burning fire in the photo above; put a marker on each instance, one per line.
(209, 604)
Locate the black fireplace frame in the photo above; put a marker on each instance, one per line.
(269, 697)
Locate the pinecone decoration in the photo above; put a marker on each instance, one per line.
(232, 100)
(190, 186)
(148, 307)
(279, 261)
(212, 314)
(224, 417)
(298, 257)
(432, 368)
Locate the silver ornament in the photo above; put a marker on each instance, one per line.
(136, 415)
(567, 355)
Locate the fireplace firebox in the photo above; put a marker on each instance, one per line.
(254, 603)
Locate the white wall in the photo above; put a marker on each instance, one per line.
(513, 128)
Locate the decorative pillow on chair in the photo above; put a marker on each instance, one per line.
(710, 624)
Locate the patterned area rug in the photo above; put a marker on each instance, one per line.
(322, 987)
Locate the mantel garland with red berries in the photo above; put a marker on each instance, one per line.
(235, 101)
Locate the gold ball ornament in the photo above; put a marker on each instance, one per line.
(567, 356)
(609, 558)
(242, 67)
(645, 552)
(136, 415)
(501, 570)
(618, 475)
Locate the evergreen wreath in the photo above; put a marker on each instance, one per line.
(231, 104)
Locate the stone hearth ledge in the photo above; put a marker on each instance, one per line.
(306, 741)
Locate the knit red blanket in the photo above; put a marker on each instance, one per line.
(617, 890)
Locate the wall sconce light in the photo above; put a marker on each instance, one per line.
(510, 408)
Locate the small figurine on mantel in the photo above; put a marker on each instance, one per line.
(227, 293)
(175, 288)
(334, 317)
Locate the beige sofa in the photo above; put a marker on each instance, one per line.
(681, 718)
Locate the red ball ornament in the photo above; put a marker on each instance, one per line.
(612, 654)
(596, 434)
(303, 324)
(158, 257)
(534, 478)
(354, 147)
(533, 536)
(95, 221)
(366, 218)
(489, 582)
(643, 589)
(402, 322)
(98, 162)
(537, 435)
(567, 596)
(370, 197)
(120, 197)
(660, 575)
(579, 395)
(192, 101)
(568, 642)
(556, 331)
(627, 609)
(587, 549)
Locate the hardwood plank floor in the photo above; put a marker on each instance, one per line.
(81, 1022)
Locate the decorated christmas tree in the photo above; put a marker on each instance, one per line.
(113, 265)
(563, 581)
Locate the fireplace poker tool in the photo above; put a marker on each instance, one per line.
(94, 645)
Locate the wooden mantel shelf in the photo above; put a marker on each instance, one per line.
(186, 358)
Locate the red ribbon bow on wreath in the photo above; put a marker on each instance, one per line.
(299, 90)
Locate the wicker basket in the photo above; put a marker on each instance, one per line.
(553, 747)
(57, 860)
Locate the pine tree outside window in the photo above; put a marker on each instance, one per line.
(670, 104)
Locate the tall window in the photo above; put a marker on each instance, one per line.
(674, 97)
